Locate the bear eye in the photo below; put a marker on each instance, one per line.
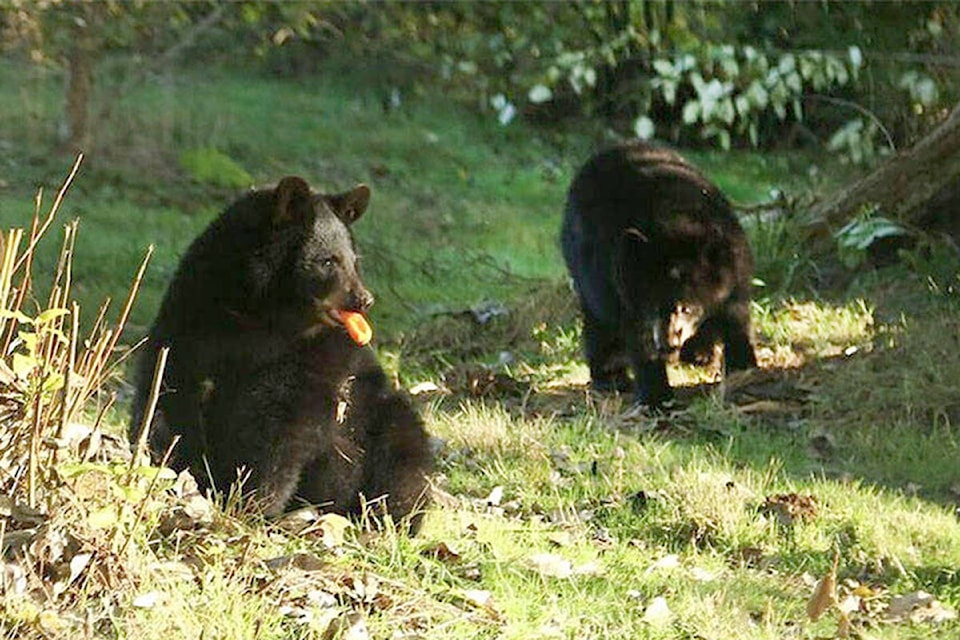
(329, 263)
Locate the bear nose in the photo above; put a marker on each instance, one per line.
(364, 300)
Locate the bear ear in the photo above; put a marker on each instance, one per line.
(350, 205)
(292, 197)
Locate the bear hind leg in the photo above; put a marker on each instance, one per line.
(604, 350)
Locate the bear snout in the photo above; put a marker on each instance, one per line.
(361, 300)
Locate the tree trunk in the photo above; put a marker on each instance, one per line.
(79, 82)
(81, 58)
(919, 186)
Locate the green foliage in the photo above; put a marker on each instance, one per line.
(856, 141)
(858, 235)
(207, 165)
(29, 361)
(727, 72)
(732, 88)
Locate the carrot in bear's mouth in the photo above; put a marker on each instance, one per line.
(357, 326)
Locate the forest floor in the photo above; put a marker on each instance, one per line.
(815, 497)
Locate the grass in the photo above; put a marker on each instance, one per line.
(557, 513)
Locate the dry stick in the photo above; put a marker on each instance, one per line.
(53, 354)
(128, 305)
(142, 507)
(124, 357)
(108, 342)
(103, 411)
(57, 292)
(151, 405)
(34, 454)
(98, 323)
(71, 364)
(53, 210)
(9, 255)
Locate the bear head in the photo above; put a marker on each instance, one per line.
(310, 264)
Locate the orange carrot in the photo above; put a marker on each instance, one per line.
(357, 326)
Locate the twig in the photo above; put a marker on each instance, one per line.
(151, 405)
(65, 413)
(131, 296)
(33, 464)
(34, 239)
(142, 507)
(856, 107)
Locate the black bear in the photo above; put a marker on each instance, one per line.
(262, 374)
(659, 262)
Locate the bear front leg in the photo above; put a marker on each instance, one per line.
(738, 350)
(651, 386)
(274, 486)
(273, 429)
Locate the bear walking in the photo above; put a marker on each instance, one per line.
(262, 375)
(659, 262)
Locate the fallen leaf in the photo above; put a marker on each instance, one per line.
(481, 600)
(198, 509)
(333, 527)
(102, 518)
(918, 607)
(560, 539)
(825, 595)
(298, 520)
(302, 561)
(424, 387)
(495, 496)
(443, 552)
(477, 597)
(786, 508)
(592, 568)
(702, 575)
(551, 565)
(769, 406)
(13, 579)
(78, 563)
(657, 612)
(849, 604)
(350, 626)
(671, 561)
(147, 600)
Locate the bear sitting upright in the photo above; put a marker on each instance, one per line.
(262, 375)
(659, 262)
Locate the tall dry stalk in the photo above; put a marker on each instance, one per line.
(48, 371)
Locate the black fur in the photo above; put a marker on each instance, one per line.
(648, 241)
(259, 363)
